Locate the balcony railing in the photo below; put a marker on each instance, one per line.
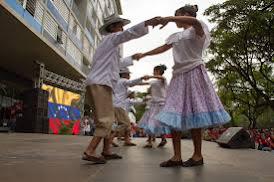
(47, 18)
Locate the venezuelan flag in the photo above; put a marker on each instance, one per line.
(63, 110)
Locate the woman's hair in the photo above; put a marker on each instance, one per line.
(161, 67)
(189, 9)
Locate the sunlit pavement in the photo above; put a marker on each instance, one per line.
(50, 158)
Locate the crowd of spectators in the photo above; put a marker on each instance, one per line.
(10, 114)
(264, 139)
(212, 134)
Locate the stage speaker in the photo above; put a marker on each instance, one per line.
(35, 112)
(236, 137)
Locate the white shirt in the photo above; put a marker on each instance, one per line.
(188, 48)
(121, 91)
(158, 91)
(132, 117)
(106, 63)
(87, 128)
(131, 102)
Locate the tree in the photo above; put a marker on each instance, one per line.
(242, 60)
(140, 109)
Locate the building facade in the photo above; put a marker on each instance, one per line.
(71, 26)
(58, 36)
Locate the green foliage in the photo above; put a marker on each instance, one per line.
(242, 62)
(140, 109)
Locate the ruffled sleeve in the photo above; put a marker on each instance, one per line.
(176, 37)
(206, 35)
(190, 34)
(171, 39)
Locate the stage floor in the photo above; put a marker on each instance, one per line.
(55, 158)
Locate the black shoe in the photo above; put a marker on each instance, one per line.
(129, 144)
(162, 144)
(171, 163)
(191, 162)
(94, 159)
(114, 144)
(148, 146)
(111, 156)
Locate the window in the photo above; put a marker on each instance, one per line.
(62, 9)
(39, 12)
(89, 9)
(30, 6)
(75, 28)
(103, 3)
(59, 35)
(51, 26)
(90, 28)
(86, 45)
(71, 23)
(21, 2)
(100, 14)
(74, 52)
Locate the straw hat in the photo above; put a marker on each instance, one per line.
(115, 18)
(124, 70)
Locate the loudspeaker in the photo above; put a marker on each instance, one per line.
(236, 137)
(35, 112)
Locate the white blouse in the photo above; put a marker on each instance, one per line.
(188, 48)
(158, 91)
(148, 101)
(106, 62)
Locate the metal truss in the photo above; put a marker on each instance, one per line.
(42, 75)
(54, 78)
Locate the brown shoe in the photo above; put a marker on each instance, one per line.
(111, 156)
(171, 163)
(191, 162)
(95, 160)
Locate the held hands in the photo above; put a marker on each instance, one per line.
(138, 56)
(152, 22)
(146, 77)
(157, 21)
(163, 21)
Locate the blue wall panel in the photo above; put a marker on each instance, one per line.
(57, 15)
(16, 6)
(32, 22)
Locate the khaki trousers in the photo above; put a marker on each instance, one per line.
(99, 97)
(122, 119)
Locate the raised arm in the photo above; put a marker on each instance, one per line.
(134, 32)
(155, 76)
(136, 101)
(156, 51)
(126, 62)
(132, 83)
(186, 20)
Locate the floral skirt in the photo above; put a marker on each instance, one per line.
(192, 102)
(150, 124)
